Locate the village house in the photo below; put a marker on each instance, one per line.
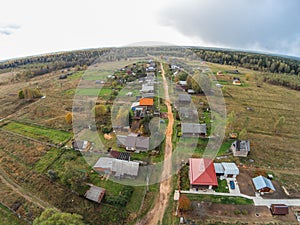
(133, 142)
(236, 81)
(79, 145)
(240, 148)
(188, 113)
(226, 170)
(193, 130)
(147, 102)
(202, 173)
(147, 88)
(184, 98)
(263, 184)
(119, 168)
(95, 194)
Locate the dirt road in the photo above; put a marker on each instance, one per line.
(155, 216)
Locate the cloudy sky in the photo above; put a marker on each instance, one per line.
(33, 27)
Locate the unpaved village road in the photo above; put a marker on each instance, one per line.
(161, 203)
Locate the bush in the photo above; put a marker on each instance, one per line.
(122, 199)
(244, 212)
(237, 212)
(106, 129)
(21, 94)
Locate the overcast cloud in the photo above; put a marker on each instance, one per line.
(34, 27)
(9, 29)
(265, 25)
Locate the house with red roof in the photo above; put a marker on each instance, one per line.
(202, 173)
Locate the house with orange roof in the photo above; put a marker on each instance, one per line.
(146, 102)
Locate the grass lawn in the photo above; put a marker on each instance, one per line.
(135, 201)
(222, 186)
(87, 91)
(103, 92)
(38, 132)
(224, 147)
(220, 199)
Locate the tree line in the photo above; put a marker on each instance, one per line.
(254, 61)
(42, 64)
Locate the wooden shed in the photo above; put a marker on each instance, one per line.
(279, 209)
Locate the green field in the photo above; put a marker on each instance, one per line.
(91, 91)
(45, 161)
(38, 132)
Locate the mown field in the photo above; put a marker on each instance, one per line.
(258, 109)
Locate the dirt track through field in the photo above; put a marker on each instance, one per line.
(4, 177)
(155, 216)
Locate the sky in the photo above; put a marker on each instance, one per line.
(34, 27)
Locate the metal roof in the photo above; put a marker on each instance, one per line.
(143, 142)
(193, 128)
(121, 167)
(230, 168)
(202, 172)
(261, 182)
(242, 145)
(105, 163)
(95, 194)
(184, 98)
(219, 168)
(147, 88)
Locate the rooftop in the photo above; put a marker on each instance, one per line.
(184, 98)
(261, 182)
(193, 128)
(202, 172)
(95, 194)
(146, 102)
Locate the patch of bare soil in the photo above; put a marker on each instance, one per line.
(204, 213)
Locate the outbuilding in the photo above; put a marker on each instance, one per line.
(279, 209)
(263, 184)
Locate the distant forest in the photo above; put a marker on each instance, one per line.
(276, 70)
(254, 61)
(42, 64)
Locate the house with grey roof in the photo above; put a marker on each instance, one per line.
(240, 148)
(226, 169)
(193, 129)
(120, 168)
(95, 194)
(133, 142)
(147, 88)
(184, 98)
(263, 184)
(188, 113)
